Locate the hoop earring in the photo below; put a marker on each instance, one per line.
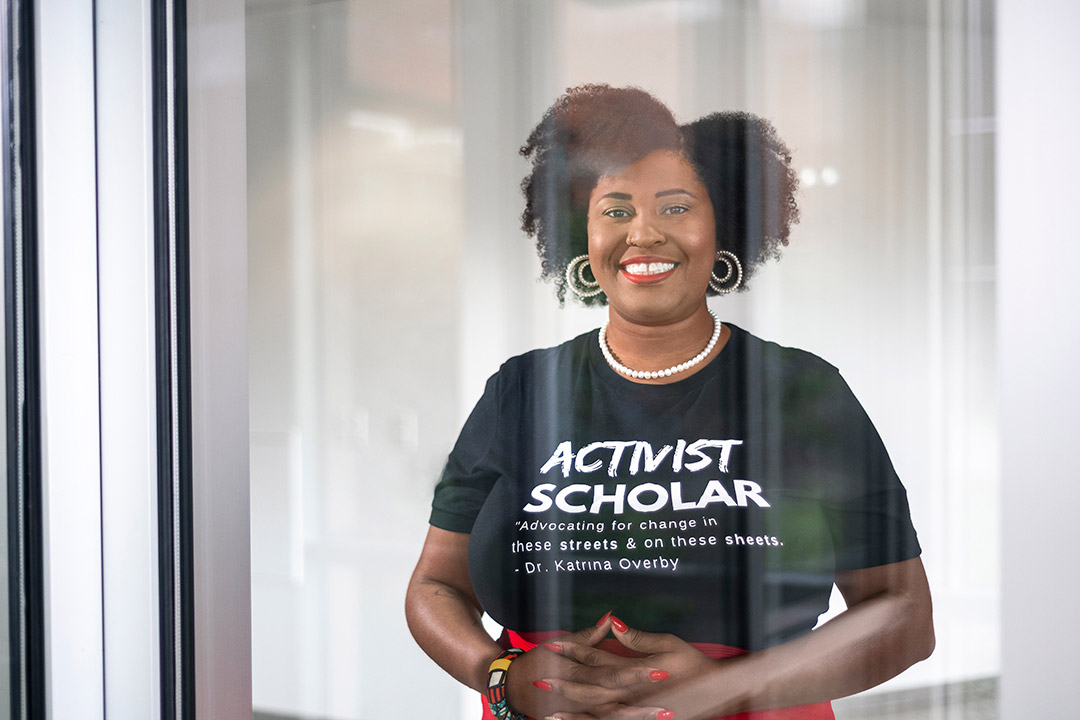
(734, 267)
(576, 281)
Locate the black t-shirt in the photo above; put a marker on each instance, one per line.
(717, 508)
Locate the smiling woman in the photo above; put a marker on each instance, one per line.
(652, 240)
(736, 158)
(630, 209)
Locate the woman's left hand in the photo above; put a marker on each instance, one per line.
(677, 659)
(888, 625)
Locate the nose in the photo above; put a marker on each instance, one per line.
(643, 233)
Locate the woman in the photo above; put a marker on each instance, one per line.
(696, 488)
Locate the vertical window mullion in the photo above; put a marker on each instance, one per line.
(173, 395)
(23, 407)
(69, 362)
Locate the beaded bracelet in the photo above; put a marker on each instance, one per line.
(496, 687)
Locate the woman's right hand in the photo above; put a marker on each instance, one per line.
(444, 617)
(615, 679)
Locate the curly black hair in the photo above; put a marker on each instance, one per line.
(746, 167)
(595, 130)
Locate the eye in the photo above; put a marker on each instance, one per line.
(674, 210)
(617, 213)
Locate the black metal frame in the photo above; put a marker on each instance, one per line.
(171, 262)
(23, 420)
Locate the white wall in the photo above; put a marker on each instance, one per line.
(1038, 158)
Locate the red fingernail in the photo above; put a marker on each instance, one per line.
(658, 675)
(665, 715)
(618, 624)
(553, 647)
(546, 686)
(602, 620)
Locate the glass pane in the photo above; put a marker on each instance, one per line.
(9, 651)
(353, 278)
(389, 277)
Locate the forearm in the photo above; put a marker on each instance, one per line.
(449, 630)
(861, 648)
(875, 639)
(443, 614)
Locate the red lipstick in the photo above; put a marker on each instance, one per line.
(647, 270)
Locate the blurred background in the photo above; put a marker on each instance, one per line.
(388, 278)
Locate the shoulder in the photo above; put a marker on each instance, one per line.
(544, 362)
(788, 361)
(804, 386)
(809, 389)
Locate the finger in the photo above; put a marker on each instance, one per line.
(650, 713)
(611, 689)
(643, 642)
(588, 696)
(590, 635)
(611, 676)
(587, 654)
(616, 711)
(601, 711)
(631, 712)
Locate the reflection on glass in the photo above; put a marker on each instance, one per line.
(9, 652)
(389, 277)
(354, 310)
(6, 649)
(7, 656)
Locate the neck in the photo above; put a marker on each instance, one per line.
(656, 347)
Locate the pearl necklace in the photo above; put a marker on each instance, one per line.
(652, 374)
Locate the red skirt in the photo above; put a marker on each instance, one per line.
(817, 711)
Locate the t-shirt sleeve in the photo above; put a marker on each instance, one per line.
(866, 504)
(472, 468)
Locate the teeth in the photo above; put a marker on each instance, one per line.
(653, 268)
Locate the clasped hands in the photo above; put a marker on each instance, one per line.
(570, 678)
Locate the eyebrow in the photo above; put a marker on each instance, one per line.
(662, 193)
